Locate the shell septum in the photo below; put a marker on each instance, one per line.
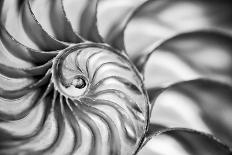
(91, 101)
(68, 78)
(100, 82)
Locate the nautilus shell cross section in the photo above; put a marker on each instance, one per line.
(104, 92)
(115, 77)
(94, 103)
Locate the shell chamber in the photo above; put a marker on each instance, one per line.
(92, 102)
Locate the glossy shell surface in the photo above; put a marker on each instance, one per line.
(115, 77)
(93, 100)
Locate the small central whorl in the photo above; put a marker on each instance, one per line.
(68, 77)
(105, 92)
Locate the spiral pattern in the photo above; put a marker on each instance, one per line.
(109, 101)
(106, 77)
(67, 95)
(105, 114)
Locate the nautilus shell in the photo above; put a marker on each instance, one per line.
(115, 77)
(87, 97)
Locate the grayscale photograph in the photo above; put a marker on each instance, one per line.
(115, 77)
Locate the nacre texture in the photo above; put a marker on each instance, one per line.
(115, 77)
(87, 98)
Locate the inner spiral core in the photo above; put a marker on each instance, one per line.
(105, 93)
(79, 82)
(68, 77)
